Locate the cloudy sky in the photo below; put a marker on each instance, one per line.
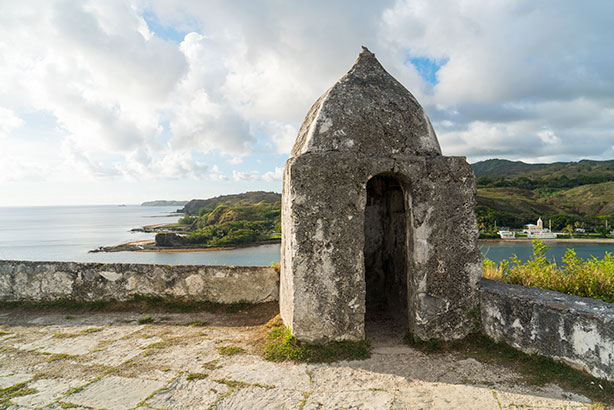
(122, 101)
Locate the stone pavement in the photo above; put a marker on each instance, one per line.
(110, 360)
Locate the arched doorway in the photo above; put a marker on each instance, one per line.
(386, 255)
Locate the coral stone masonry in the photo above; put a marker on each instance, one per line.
(377, 224)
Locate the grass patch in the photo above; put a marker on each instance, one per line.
(3, 333)
(64, 335)
(537, 370)
(142, 303)
(280, 345)
(230, 350)
(156, 345)
(591, 278)
(211, 365)
(196, 376)
(197, 323)
(232, 384)
(16, 390)
(81, 333)
(90, 330)
(145, 320)
(60, 356)
(68, 405)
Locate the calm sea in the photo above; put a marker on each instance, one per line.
(67, 233)
(500, 250)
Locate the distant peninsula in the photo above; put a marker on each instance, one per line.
(163, 202)
(223, 222)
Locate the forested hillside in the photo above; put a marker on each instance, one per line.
(238, 219)
(568, 193)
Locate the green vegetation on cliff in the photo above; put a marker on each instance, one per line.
(237, 224)
(195, 206)
(229, 220)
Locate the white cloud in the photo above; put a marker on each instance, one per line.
(276, 175)
(548, 137)
(268, 176)
(282, 135)
(235, 160)
(205, 125)
(521, 80)
(8, 121)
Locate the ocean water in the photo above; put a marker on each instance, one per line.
(502, 250)
(67, 233)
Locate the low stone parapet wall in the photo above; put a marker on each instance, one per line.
(575, 330)
(46, 281)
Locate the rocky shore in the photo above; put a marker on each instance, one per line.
(151, 246)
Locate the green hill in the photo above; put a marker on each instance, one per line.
(497, 168)
(502, 167)
(195, 205)
(595, 199)
(237, 219)
(514, 193)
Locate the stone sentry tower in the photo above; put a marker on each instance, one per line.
(376, 222)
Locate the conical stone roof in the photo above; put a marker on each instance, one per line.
(367, 112)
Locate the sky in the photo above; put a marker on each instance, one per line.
(124, 101)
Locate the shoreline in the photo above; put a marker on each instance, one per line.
(150, 246)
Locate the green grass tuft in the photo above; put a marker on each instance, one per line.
(196, 376)
(232, 384)
(156, 345)
(145, 320)
(230, 350)
(68, 405)
(281, 346)
(197, 323)
(60, 356)
(16, 390)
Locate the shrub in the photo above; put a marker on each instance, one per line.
(591, 278)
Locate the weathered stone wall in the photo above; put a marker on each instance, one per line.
(44, 281)
(323, 267)
(578, 331)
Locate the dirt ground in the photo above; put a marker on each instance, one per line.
(126, 360)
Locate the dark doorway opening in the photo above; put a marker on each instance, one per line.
(385, 254)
